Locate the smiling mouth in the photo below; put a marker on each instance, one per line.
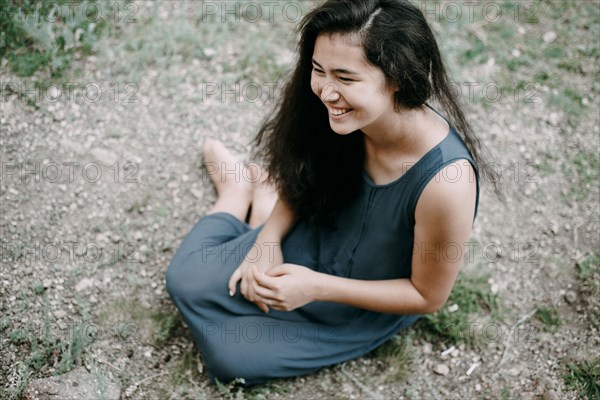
(339, 111)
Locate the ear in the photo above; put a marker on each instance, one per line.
(394, 88)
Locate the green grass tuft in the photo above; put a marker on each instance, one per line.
(166, 323)
(584, 377)
(397, 354)
(549, 317)
(472, 295)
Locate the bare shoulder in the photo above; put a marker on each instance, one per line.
(447, 204)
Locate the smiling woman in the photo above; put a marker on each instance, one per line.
(367, 184)
(356, 95)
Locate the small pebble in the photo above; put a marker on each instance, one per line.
(548, 383)
(441, 369)
(448, 351)
(84, 284)
(427, 348)
(554, 119)
(549, 37)
(550, 395)
(570, 297)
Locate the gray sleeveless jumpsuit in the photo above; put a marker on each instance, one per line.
(373, 241)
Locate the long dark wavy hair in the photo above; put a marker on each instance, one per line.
(317, 171)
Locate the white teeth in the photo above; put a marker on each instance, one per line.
(337, 111)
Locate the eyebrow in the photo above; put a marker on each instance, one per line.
(337, 70)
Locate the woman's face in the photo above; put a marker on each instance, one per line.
(353, 91)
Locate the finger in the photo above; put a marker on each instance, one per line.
(266, 281)
(233, 280)
(244, 287)
(251, 281)
(266, 293)
(264, 308)
(277, 307)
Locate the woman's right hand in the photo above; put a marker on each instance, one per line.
(263, 255)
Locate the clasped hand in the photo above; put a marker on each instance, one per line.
(282, 287)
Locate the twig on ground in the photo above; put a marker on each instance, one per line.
(507, 341)
(112, 366)
(361, 385)
(133, 387)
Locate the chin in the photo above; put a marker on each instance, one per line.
(340, 130)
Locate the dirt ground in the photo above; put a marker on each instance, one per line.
(98, 189)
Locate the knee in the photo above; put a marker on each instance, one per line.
(193, 279)
(227, 367)
(183, 279)
(173, 281)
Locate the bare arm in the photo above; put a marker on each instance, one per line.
(443, 220)
(280, 222)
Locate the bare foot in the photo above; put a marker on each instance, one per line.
(228, 174)
(264, 196)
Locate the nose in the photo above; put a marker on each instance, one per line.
(329, 93)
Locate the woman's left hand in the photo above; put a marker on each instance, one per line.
(287, 286)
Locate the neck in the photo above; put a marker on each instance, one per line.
(402, 140)
(397, 135)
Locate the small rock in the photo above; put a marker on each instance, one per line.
(197, 193)
(570, 297)
(427, 349)
(549, 37)
(441, 369)
(80, 251)
(106, 157)
(547, 383)
(75, 385)
(60, 314)
(554, 119)
(514, 372)
(550, 395)
(84, 284)
(494, 288)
